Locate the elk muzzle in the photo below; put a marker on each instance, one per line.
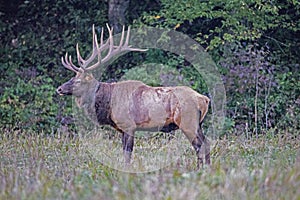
(66, 88)
(60, 91)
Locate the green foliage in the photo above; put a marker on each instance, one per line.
(213, 23)
(250, 81)
(29, 104)
(35, 34)
(289, 98)
(166, 69)
(33, 41)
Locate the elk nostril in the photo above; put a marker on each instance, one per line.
(58, 90)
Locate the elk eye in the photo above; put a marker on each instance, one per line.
(77, 81)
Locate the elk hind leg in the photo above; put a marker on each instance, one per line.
(201, 146)
(206, 147)
(197, 143)
(193, 131)
(196, 140)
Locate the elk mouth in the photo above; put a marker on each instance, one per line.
(61, 92)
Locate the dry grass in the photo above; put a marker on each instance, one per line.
(38, 166)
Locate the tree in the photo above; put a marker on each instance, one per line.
(116, 14)
(215, 22)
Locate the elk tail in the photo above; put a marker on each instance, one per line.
(203, 104)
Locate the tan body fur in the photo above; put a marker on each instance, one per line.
(136, 106)
(129, 106)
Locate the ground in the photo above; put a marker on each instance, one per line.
(39, 166)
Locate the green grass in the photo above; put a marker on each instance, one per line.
(38, 166)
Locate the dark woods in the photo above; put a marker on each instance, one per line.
(256, 48)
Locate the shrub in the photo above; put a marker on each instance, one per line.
(32, 41)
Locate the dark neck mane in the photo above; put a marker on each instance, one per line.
(102, 103)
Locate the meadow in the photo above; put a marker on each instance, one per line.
(43, 166)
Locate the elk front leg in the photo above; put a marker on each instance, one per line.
(127, 141)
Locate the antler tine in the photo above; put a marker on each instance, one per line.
(68, 64)
(103, 46)
(73, 66)
(84, 63)
(111, 40)
(127, 42)
(65, 64)
(98, 49)
(127, 36)
(109, 44)
(79, 58)
(95, 47)
(111, 51)
(101, 38)
(122, 38)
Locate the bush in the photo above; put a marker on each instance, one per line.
(166, 69)
(33, 40)
(261, 94)
(29, 104)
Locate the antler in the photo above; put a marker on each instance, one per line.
(97, 51)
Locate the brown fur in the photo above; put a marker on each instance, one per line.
(131, 105)
(102, 104)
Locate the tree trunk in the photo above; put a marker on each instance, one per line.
(116, 14)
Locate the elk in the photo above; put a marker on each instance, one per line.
(130, 106)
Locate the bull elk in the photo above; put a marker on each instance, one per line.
(131, 105)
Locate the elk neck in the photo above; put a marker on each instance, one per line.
(103, 103)
(86, 100)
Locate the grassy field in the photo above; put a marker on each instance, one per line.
(38, 166)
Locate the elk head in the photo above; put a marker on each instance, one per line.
(84, 79)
